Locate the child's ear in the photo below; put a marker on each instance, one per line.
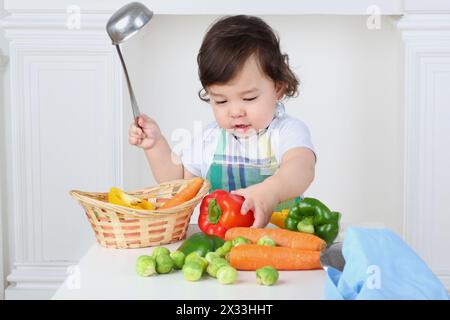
(280, 89)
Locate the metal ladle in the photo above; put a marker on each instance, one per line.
(121, 26)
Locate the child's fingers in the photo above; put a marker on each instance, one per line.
(134, 128)
(135, 131)
(246, 206)
(140, 121)
(259, 218)
(258, 223)
(133, 140)
(144, 121)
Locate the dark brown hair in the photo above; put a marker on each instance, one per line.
(230, 41)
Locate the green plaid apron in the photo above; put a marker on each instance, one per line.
(231, 170)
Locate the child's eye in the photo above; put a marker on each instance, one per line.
(220, 102)
(250, 99)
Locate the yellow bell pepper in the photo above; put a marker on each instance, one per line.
(278, 218)
(117, 196)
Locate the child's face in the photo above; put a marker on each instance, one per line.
(247, 103)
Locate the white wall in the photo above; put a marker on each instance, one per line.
(3, 128)
(350, 97)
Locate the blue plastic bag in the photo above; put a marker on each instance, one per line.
(380, 265)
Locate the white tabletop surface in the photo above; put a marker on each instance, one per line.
(110, 274)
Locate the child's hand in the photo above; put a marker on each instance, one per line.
(148, 136)
(261, 199)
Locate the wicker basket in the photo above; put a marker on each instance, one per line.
(120, 227)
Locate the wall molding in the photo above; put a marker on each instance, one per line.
(424, 22)
(427, 55)
(36, 281)
(39, 22)
(32, 52)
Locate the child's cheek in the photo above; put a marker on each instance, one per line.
(220, 118)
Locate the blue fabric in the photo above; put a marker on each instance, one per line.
(380, 265)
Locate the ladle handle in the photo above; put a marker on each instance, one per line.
(134, 106)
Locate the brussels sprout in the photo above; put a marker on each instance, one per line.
(178, 259)
(227, 275)
(266, 241)
(160, 250)
(223, 250)
(210, 256)
(164, 263)
(195, 256)
(192, 256)
(145, 266)
(239, 240)
(306, 225)
(192, 270)
(215, 265)
(266, 276)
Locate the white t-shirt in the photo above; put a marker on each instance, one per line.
(286, 132)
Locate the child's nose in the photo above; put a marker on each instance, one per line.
(237, 112)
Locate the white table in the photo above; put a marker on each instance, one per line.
(110, 274)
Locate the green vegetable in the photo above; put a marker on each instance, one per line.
(160, 250)
(312, 216)
(239, 240)
(266, 276)
(178, 259)
(227, 275)
(306, 225)
(266, 241)
(192, 270)
(201, 243)
(223, 250)
(145, 266)
(215, 265)
(164, 263)
(210, 256)
(194, 256)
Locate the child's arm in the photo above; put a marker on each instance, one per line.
(164, 164)
(291, 180)
(295, 175)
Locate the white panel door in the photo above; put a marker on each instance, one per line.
(427, 154)
(66, 109)
(439, 213)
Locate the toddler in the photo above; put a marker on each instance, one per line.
(253, 148)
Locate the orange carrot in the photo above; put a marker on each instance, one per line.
(184, 195)
(282, 237)
(253, 257)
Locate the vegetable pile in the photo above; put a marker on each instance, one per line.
(309, 215)
(262, 250)
(278, 248)
(119, 197)
(198, 255)
(203, 254)
(227, 244)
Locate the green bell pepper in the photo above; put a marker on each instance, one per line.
(312, 216)
(201, 243)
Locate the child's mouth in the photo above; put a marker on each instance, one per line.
(242, 127)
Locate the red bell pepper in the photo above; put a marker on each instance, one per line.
(220, 211)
